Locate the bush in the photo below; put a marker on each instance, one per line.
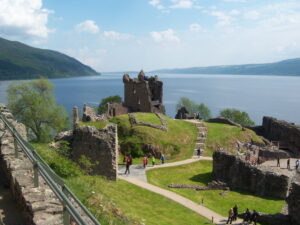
(237, 116)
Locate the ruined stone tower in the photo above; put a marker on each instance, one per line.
(141, 94)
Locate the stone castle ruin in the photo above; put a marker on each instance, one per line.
(99, 146)
(142, 94)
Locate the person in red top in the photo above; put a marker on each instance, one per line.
(145, 161)
(128, 163)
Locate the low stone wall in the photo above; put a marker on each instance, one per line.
(163, 121)
(294, 202)
(39, 205)
(286, 133)
(239, 174)
(100, 146)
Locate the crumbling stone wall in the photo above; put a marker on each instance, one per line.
(116, 109)
(240, 174)
(89, 114)
(286, 133)
(39, 205)
(294, 202)
(100, 146)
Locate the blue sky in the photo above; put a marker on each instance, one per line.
(119, 35)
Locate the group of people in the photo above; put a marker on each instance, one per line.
(128, 162)
(288, 163)
(249, 216)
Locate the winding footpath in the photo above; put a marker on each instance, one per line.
(138, 177)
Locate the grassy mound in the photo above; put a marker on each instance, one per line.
(199, 173)
(226, 136)
(177, 143)
(118, 203)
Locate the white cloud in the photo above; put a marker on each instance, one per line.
(88, 26)
(234, 12)
(195, 27)
(182, 4)
(24, 18)
(223, 19)
(234, 0)
(251, 15)
(157, 4)
(113, 35)
(167, 35)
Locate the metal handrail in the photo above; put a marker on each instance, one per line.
(57, 185)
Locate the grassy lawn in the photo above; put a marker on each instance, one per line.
(97, 124)
(223, 135)
(144, 117)
(177, 143)
(116, 203)
(199, 173)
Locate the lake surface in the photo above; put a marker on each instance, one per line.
(275, 96)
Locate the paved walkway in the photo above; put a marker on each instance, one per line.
(205, 212)
(138, 177)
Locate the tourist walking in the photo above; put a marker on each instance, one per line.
(278, 161)
(235, 212)
(254, 217)
(153, 161)
(128, 163)
(288, 163)
(198, 152)
(230, 216)
(163, 159)
(297, 164)
(145, 161)
(247, 215)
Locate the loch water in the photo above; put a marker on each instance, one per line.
(277, 96)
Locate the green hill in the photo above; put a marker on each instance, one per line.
(289, 67)
(177, 143)
(20, 61)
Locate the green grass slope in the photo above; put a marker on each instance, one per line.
(226, 136)
(199, 173)
(118, 203)
(20, 61)
(177, 143)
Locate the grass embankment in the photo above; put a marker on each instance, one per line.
(97, 124)
(177, 143)
(199, 173)
(120, 202)
(226, 136)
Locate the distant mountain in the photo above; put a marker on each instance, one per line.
(20, 61)
(289, 67)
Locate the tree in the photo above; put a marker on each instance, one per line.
(102, 108)
(190, 105)
(33, 104)
(237, 116)
(204, 111)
